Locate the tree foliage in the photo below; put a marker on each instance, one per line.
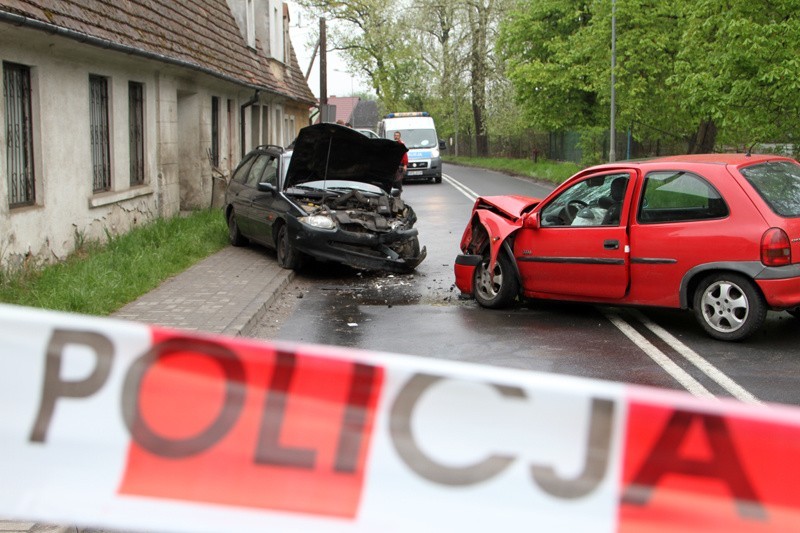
(685, 68)
(419, 54)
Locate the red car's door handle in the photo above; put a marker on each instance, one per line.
(611, 244)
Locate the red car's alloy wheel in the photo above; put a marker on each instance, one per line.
(729, 307)
(498, 287)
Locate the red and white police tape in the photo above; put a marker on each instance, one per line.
(122, 425)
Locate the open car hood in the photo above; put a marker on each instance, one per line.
(333, 152)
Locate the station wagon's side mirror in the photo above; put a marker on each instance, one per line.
(531, 221)
(267, 187)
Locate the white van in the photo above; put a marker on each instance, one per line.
(419, 135)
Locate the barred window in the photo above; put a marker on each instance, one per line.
(19, 134)
(136, 131)
(101, 164)
(215, 131)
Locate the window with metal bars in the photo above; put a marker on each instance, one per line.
(99, 130)
(215, 131)
(136, 131)
(19, 134)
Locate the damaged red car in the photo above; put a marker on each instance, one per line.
(716, 234)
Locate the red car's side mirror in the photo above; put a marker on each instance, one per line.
(531, 221)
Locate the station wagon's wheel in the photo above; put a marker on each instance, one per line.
(496, 288)
(729, 306)
(288, 256)
(234, 235)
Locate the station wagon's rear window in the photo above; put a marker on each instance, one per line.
(778, 183)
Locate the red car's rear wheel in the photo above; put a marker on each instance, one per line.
(729, 306)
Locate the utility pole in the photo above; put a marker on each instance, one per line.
(323, 71)
(612, 149)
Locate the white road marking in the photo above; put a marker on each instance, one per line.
(736, 390)
(463, 189)
(669, 366)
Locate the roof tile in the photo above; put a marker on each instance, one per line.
(201, 33)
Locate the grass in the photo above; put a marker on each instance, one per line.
(98, 279)
(552, 171)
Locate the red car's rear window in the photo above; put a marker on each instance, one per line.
(778, 183)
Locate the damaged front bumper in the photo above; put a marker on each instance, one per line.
(464, 267)
(395, 251)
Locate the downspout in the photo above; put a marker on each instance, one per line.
(245, 105)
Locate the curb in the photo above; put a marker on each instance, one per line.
(255, 310)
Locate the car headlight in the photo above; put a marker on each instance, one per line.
(435, 152)
(318, 221)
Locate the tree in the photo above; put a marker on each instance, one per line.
(418, 55)
(372, 35)
(479, 13)
(685, 68)
(738, 68)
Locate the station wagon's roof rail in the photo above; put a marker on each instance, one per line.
(267, 146)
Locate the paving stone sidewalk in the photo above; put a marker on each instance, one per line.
(225, 293)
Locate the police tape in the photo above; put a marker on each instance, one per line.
(127, 426)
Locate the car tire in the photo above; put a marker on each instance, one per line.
(499, 290)
(729, 307)
(234, 235)
(438, 178)
(288, 256)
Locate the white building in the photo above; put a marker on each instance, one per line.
(115, 112)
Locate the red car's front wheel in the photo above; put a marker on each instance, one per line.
(498, 287)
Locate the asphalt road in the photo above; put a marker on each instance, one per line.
(422, 314)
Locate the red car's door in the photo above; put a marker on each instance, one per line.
(580, 249)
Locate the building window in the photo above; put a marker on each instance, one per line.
(250, 14)
(266, 138)
(215, 131)
(136, 131)
(101, 165)
(19, 134)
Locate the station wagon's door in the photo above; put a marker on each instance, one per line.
(580, 249)
(264, 206)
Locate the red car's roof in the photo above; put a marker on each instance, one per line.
(737, 160)
(724, 159)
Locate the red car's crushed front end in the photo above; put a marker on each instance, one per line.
(493, 220)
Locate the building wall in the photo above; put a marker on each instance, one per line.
(177, 137)
(66, 209)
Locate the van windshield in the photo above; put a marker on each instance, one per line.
(419, 138)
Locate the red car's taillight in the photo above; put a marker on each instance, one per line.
(775, 248)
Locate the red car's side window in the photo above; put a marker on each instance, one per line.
(594, 201)
(679, 196)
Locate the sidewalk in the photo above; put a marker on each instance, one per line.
(225, 293)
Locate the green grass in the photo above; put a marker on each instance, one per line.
(552, 171)
(99, 278)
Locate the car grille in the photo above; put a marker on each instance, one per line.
(418, 164)
(357, 249)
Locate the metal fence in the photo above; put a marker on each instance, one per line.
(567, 146)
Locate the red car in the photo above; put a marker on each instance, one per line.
(719, 234)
